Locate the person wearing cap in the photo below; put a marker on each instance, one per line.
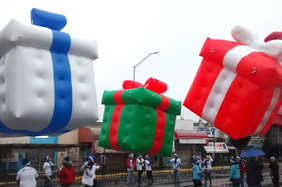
(131, 164)
(207, 167)
(47, 170)
(274, 171)
(139, 165)
(254, 172)
(176, 168)
(196, 158)
(197, 173)
(26, 177)
(234, 176)
(148, 168)
(242, 170)
(66, 173)
(89, 168)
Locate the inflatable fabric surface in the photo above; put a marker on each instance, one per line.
(46, 81)
(237, 88)
(139, 121)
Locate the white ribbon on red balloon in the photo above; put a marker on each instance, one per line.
(247, 37)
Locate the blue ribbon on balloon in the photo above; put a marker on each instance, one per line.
(62, 74)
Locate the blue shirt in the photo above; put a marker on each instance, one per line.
(197, 172)
(234, 172)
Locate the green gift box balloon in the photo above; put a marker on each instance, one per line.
(138, 120)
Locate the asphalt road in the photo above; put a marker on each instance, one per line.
(223, 181)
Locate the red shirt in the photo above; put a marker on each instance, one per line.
(128, 163)
(66, 174)
(242, 168)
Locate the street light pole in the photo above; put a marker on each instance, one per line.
(134, 67)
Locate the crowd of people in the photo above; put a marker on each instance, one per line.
(253, 169)
(203, 169)
(138, 164)
(26, 177)
(206, 166)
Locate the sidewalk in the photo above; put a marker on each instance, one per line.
(219, 182)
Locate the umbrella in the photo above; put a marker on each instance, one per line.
(252, 153)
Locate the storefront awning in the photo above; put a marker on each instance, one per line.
(231, 147)
(182, 134)
(217, 147)
(193, 141)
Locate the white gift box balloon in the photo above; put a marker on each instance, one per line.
(46, 81)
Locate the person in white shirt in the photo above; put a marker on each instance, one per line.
(89, 169)
(139, 165)
(194, 156)
(176, 168)
(26, 176)
(207, 167)
(148, 168)
(47, 171)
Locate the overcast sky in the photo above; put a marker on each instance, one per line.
(127, 31)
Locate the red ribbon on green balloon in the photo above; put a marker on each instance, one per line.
(151, 84)
(138, 119)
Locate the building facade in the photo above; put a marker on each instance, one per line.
(190, 139)
(36, 148)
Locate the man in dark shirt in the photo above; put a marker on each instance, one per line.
(254, 172)
(274, 171)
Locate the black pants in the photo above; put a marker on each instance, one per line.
(208, 176)
(140, 172)
(65, 185)
(275, 181)
(197, 183)
(236, 182)
(94, 183)
(47, 181)
(150, 176)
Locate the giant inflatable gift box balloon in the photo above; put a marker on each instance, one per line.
(139, 119)
(46, 77)
(238, 84)
(272, 144)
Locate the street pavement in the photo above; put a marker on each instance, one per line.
(221, 181)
